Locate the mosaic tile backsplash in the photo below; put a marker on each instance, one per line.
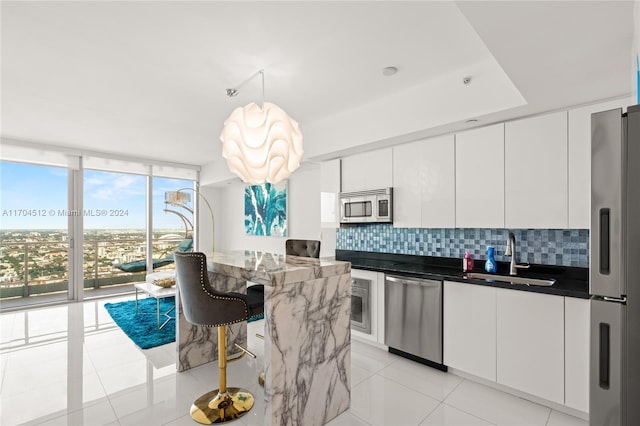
(563, 247)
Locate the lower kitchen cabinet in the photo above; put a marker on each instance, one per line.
(577, 316)
(380, 311)
(530, 343)
(470, 329)
(375, 305)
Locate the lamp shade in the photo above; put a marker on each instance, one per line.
(177, 198)
(261, 144)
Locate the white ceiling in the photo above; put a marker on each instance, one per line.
(148, 79)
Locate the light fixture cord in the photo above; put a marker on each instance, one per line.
(262, 72)
(234, 91)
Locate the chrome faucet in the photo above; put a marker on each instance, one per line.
(511, 251)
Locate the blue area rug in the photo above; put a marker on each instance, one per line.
(142, 327)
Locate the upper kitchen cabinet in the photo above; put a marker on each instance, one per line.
(369, 170)
(407, 202)
(424, 183)
(536, 172)
(580, 159)
(480, 158)
(329, 192)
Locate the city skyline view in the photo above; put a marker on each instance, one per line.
(35, 198)
(34, 234)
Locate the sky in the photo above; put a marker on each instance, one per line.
(35, 197)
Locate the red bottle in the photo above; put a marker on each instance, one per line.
(467, 264)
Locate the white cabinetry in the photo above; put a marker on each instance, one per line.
(580, 159)
(536, 172)
(407, 201)
(369, 170)
(480, 178)
(469, 329)
(531, 342)
(329, 191)
(424, 183)
(376, 305)
(380, 312)
(530, 337)
(576, 361)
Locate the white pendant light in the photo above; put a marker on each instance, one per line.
(261, 144)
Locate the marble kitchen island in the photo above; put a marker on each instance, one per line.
(307, 336)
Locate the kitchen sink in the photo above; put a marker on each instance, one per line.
(510, 279)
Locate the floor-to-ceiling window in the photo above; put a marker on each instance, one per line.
(34, 234)
(115, 220)
(173, 219)
(74, 225)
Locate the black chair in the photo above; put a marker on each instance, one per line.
(302, 248)
(203, 305)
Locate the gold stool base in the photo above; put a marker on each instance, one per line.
(261, 379)
(213, 407)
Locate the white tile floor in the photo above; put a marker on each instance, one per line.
(70, 365)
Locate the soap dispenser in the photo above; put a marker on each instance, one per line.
(491, 265)
(467, 262)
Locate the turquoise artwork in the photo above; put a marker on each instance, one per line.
(265, 209)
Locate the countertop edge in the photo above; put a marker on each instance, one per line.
(403, 269)
(531, 289)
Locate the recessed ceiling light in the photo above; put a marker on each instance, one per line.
(389, 71)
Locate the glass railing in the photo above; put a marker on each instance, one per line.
(39, 268)
(29, 268)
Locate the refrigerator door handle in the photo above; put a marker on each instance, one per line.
(605, 246)
(605, 360)
(607, 364)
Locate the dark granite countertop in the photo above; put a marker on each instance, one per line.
(570, 281)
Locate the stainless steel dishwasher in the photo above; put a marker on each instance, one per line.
(413, 318)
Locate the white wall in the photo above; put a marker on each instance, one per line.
(303, 215)
(205, 231)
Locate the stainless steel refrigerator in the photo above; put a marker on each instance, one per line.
(614, 275)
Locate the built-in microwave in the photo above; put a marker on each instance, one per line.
(367, 206)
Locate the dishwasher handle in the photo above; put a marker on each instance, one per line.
(423, 283)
